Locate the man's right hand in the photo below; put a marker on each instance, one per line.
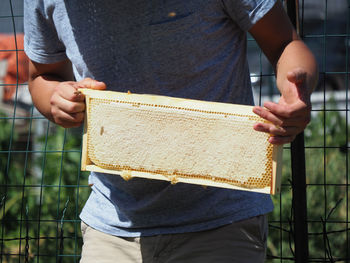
(56, 96)
(68, 104)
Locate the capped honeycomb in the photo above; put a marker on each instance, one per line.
(179, 140)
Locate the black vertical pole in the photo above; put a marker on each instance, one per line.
(299, 202)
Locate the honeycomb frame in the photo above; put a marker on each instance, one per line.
(195, 115)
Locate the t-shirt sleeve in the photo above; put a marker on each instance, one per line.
(41, 42)
(247, 12)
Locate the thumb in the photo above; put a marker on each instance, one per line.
(297, 76)
(92, 84)
(296, 88)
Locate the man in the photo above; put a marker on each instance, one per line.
(192, 49)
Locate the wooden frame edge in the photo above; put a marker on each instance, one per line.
(276, 169)
(172, 101)
(202, 182)
(85, 160)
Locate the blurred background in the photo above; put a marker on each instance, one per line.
(42, 189)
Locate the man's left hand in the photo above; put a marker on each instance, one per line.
(289, 117)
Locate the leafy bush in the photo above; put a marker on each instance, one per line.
(326, 172)
(41, 196)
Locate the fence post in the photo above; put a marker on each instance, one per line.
(299, 203)
(301, 248)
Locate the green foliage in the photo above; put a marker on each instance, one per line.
(326, 165)
(41, 197)
(9, 167)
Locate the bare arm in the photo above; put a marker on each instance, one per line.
(53, 91)
(296, 73)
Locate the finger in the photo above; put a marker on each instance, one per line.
(78, 117)
(279, 140)
(70, 119)
(277, 130)
(67, 105)
(79, 96)
(67, 120)
(297, 76)
(69, 91)
(295, 110)
(290, 115)
(300, 121)
(268, 115)
(92, 84)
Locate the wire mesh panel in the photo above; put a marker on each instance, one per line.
(42, 189)
(326, 31)
(324, 26)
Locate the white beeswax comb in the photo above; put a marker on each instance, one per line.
(179, 140)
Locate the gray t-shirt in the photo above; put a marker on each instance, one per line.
(191, 49)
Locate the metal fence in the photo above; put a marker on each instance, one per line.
(42, 189)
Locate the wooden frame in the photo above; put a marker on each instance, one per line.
(216, 112)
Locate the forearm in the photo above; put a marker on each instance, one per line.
(44, 80)
(296, 56)
(297, 76)
(296, 73)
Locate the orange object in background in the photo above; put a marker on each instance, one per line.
(8, 52)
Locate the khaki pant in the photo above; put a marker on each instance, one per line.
(240, 242)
